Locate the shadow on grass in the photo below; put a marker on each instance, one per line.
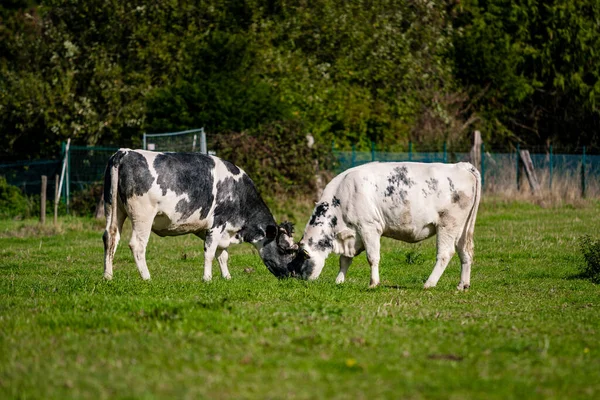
(584, 276)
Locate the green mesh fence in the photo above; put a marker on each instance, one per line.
(85, 166)
(27, 175)
(577, 174)
(569, 175)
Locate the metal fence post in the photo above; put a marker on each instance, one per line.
(583, 182)
(203, 147)
(518, 165)
(409, 151)
(144, 142)
(353, 155)
(482, 165)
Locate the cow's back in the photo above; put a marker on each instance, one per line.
(405, 200)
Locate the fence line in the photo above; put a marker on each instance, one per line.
(571, 175)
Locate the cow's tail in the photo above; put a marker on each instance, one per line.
(470, 225)
(111, 191)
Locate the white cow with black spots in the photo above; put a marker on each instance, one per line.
(174, 194)
(401, 200)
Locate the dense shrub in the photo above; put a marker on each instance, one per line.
(13, 203)
(591, 253)
(85, 202)
(277, 158)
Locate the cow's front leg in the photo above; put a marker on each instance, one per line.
(372, 247)
(211, 244)
(344, 265)
(223, 257)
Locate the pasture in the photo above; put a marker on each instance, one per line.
(527, 328)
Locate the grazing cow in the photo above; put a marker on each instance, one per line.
(179, 193)
(405, 201)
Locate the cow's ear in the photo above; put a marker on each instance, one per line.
(271, 232)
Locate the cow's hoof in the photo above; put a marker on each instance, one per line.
(339, 280)
(428, 285)
(373, 285)
(228, 277)
(107, 276)
(207, 278)
(463, 286)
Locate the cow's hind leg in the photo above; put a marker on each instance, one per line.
(223, 257)
(344, 265)
(465, 252)
(445, 251)
(138, 243)
(111, 238)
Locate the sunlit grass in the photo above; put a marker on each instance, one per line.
(527, 328)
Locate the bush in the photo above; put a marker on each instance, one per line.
(85, 202)
(13, 203)
(277, 158)
(591, 253)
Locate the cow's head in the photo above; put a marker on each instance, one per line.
(279, 249)
(305, 264)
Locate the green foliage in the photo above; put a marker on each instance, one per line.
(591, 253)
(388, 71)
(85, 202)
(276, 156)
(13, 204)
(532, 68)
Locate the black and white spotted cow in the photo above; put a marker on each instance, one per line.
(179, 193)
(405, 201)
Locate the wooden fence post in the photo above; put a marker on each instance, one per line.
(43, 199)
(530, 171)
(476, 150)
(56, 191)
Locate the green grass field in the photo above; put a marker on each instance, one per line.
(529, 327)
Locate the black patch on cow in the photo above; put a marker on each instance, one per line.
(335, 202)
(310, 242)
(300, 266)
(432, 184)
(400, 176)
(455, 196)
(325, 243)
(231, 168)
(333, 222)
(239, 203)
(135, 178)
(208, 239)
(389, 191)
(451, 184)
(320, 211)
(188, 173)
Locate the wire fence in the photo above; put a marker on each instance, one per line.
(567, 175)
(563, 175)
